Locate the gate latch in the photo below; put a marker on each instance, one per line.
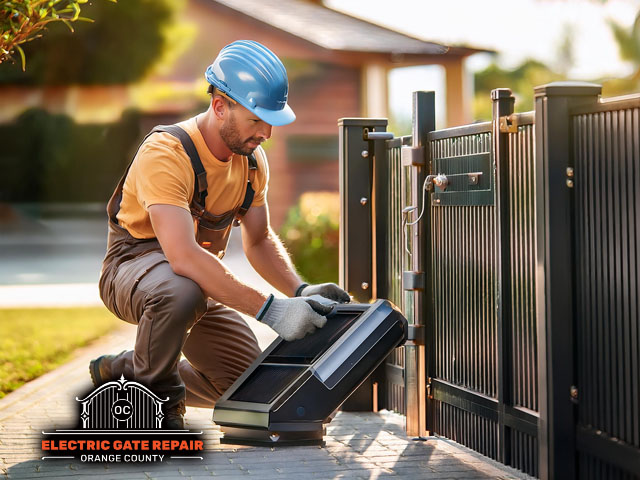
(413, 156)
(509, 124)
(371, 135)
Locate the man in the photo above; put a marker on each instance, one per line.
(170, 218)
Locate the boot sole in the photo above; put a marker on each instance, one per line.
(94, 371)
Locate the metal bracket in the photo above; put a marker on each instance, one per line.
(416, 335)
(370, 135)
(474, 178)
(413, 280)
(509, 124)
(413, 156)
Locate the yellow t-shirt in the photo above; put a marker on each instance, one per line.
(161, 173)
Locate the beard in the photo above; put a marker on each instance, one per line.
(231, 137)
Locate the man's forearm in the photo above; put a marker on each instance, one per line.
(218, 282)
(270, 259)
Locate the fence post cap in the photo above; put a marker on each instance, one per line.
(568, 89)
(498, 93)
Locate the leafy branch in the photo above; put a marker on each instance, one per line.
(23, 20)
(628, 41)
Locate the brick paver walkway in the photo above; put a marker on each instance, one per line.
(358, 445)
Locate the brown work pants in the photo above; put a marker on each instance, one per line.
(173, 317)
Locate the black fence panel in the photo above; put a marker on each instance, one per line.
(607, 232)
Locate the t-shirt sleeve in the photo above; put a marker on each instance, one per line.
(262, 179)
(162, 178)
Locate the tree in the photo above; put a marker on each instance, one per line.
(122, 44)
(521, 81)
(628, 41)
(23, 21)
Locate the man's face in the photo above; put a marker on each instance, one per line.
(242, 131)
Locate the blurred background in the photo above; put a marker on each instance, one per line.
(74, 108)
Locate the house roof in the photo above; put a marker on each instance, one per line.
(334, 30)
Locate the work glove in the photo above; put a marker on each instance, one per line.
(293, 318)
(327, 290)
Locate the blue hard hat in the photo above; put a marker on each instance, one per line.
(253, 76)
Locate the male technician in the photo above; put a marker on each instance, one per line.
(170, 218)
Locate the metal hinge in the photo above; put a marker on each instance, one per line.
(509, 124)
(413, 156)
(413, 280)
(416, 335)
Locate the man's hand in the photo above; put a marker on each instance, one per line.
(293, 318)
(327, 290)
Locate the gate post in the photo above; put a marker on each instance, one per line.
(503, 103)
(357, 271)
(357, 257)
(419, 279)
(555, 273)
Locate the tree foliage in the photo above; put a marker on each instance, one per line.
(520, 80)
(121, 45)
(628, 41)
(23, 21)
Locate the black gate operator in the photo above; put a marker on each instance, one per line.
(292, 389)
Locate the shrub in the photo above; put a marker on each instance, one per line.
(50, 158)
(311, 235)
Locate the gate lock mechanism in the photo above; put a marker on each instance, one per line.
(440, 180)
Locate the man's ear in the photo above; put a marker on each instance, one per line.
(219, 107)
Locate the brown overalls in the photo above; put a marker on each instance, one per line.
(173, 315)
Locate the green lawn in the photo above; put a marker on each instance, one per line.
(34, 341)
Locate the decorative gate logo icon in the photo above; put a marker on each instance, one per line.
(120, 405)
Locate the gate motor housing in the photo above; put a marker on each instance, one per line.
(289, 393)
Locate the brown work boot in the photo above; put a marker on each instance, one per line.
(100, 369)
(174, 417)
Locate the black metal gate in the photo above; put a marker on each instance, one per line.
(513, 248)
(482, 338)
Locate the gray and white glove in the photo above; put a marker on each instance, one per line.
(293, 318)
(327, 290)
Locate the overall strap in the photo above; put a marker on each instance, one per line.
(113, 207)
(200, 192)
(249, 194)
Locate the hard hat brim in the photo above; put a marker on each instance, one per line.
(276, 118)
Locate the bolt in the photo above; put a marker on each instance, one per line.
(569, 183)
(437, 200)
(365, 285)
(363, 201)
(569, 172)
(365, 153)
